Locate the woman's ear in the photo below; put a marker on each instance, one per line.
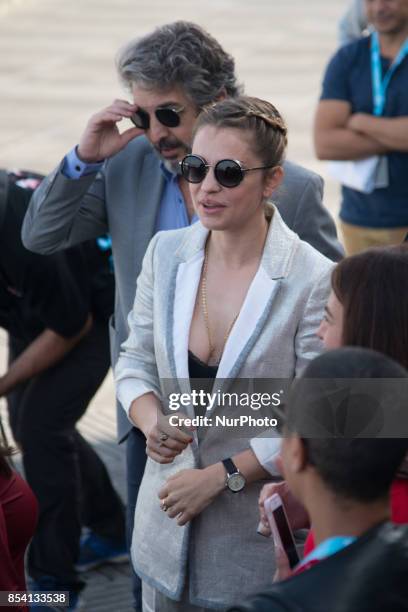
(273, 179)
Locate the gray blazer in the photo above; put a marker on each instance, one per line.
(274, 336)
(123, 199)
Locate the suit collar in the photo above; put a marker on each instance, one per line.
(279, 247)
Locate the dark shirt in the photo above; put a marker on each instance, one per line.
(369, 575)
(201, 378)
(54, 292)
(199, 369)
(348, 78)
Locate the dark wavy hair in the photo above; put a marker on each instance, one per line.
(372, 287)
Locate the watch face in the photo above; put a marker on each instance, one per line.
(236, 482)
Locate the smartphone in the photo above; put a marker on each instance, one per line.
(280, 528)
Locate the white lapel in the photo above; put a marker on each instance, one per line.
(187, 281)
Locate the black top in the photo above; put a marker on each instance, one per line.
(369, 575)
(56, 291)
(205, 375)
(199, 369)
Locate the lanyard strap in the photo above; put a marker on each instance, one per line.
(381, 83)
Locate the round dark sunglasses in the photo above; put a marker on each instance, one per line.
(168, 116)
(228, 172)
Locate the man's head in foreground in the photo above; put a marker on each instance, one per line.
(340, 473)
(173, 73)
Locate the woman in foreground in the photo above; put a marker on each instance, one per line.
(238, 295)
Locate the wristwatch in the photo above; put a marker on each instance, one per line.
(235, 480)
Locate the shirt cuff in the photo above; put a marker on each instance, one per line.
(129, 390)
(266, 451)
(75, 168)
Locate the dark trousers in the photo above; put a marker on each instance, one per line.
(70, 481)
(135, 463)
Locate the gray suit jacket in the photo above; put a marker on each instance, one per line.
(273, 337)
(124, 199)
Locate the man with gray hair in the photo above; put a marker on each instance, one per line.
(128, 184)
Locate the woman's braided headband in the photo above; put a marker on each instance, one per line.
(275, 122)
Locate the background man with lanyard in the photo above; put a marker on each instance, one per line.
(363, 114)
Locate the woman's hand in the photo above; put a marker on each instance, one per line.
(188, 492)
(164, 441)
(296, 513)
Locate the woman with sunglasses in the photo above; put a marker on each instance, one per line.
(236, 296)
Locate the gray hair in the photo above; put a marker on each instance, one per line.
(179, 53)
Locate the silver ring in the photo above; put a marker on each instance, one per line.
(163, 437)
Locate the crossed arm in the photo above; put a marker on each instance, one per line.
(341, 135)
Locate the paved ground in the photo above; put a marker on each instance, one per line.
(56, 68)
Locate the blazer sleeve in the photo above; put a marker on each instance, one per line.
(307, 344)
(136, 370)
(64, 212)
(267, 449)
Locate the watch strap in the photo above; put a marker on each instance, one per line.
(230, 467)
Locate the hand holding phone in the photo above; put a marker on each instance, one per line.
(280, 528)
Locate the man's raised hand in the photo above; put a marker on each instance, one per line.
(101, 138)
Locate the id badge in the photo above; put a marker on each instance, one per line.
(382, 175)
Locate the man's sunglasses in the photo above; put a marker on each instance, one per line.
(228, 172)
(168, 116)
